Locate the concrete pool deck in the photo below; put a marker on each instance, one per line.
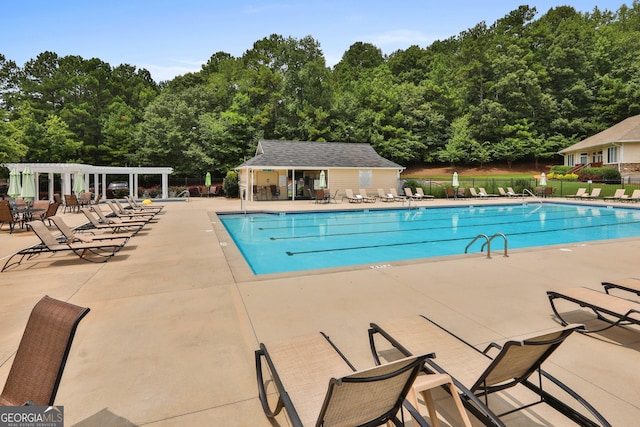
(176, 316)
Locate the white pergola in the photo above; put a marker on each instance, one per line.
(68, 171)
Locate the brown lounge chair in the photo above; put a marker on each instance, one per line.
(420, 193)
(617, 195)
(118, 212)
(317, 385)
(634, 197)
(388, 197)
(348, 194)
(611, 309)
(129, 209)
(629, 284)
(365, 196)
(477, 375)
(69, 235)
(135, 205)
(122, 222)
(581, 192)
(37, 368)
(114, 228)
(475, 194)
(88, 251)
(595, 194)
(396, 196)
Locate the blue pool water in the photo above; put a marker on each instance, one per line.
(276, 243)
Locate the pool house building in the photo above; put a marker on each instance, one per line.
(617, 146)
(292, 170)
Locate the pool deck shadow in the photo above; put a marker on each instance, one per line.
(175, 320)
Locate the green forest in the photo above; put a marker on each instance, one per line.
(521, 88)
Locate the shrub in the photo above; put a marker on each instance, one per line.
(230, 184)
(520, 184)
(412, 184)
(561, 170)
(568, 177)
(600, 174)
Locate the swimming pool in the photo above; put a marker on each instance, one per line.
(286, 242)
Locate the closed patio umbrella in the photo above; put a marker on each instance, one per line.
(323, 180)
(543, 179)
(207, 179)
(28, 192)
(455, 182)
(78, 183)
(14, 184)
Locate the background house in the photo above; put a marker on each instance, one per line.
(290, 170)
(618, 146)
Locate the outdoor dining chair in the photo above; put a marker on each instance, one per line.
(39, 362)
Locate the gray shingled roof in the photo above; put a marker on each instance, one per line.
(627, 130)
(317, 155)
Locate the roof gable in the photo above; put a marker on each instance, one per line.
(627, 130)
(318, 155)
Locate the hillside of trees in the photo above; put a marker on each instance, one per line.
(521, 88)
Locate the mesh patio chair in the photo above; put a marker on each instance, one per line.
(477, 375)
(42, 354)
(318, 386)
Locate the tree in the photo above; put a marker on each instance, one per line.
(461, 137)
(11, 150)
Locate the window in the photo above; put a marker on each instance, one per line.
(584, 158)
(365, 177)
(571, 161)
(612, 155)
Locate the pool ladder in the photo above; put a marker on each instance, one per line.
(488, 243)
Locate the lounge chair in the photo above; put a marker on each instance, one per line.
(114, 228)
(503, 193)
(135, 205)
(156, 209)
(395, 195)
(385, 197)
(611, 309)
(461, 193)
(628, 284)
(420, 192)
(634, 197)
(122, 222)
(617, 195)
(317, 385)
(581, 192)
(595, 194)
(39, 362)
(365, 197)
(511, 192)
(483, 191)
(87, 251)
(131, 211)
(131, 215)
(477, 375)
(409, 193)
(475, 194)
(348, 194)
(68, 235)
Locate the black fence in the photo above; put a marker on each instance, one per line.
(555, 187)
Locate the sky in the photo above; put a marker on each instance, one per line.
(174, 37)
